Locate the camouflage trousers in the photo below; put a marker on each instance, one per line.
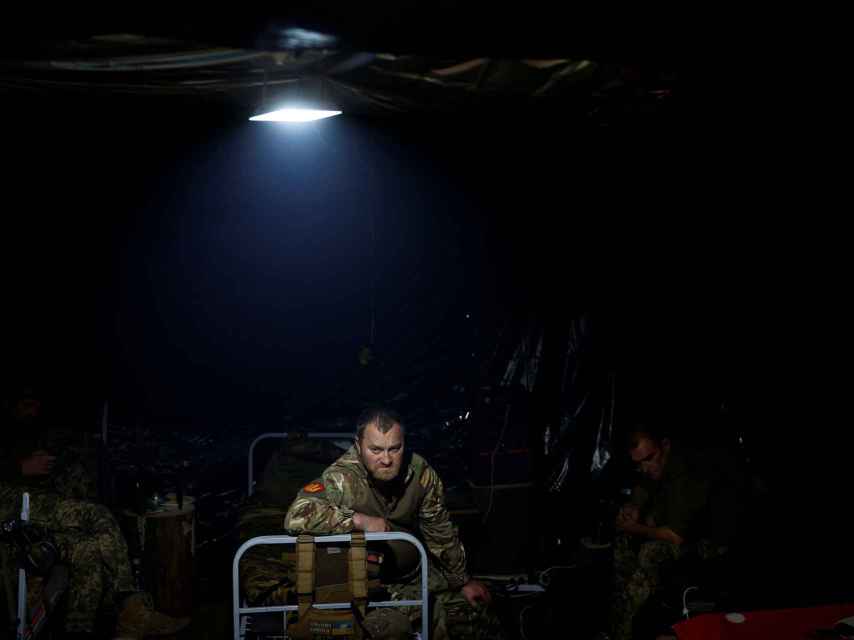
(452, 616)
(89, 542)
(637, 565)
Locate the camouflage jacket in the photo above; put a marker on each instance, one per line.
(701, 494)
(327, 505)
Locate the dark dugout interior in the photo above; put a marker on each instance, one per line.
(493, 275)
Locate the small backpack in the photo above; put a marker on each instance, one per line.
(311, 623)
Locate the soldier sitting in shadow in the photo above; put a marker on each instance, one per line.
(689, 502)
(85, 535)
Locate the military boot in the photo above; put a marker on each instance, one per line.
(138, 619)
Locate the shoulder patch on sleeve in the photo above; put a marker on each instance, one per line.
(313, 487)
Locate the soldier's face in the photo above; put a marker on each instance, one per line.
(651, 457)
(381, 453)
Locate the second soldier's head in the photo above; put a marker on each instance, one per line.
(649, 451)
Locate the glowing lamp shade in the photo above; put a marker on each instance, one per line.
(294, 115)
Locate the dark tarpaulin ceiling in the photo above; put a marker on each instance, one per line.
(536, 29)
(413, 58)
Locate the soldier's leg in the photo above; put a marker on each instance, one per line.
(625, 565)
(388, 623)
(626, 550)
(78, 551)
(436, 583)
(85, 584)
(90, 540)
(136, 614)
(101, 528)
(452, 617)
(461, 621)
(636, 589)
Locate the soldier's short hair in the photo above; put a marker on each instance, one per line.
(640, 431)
(383, 417)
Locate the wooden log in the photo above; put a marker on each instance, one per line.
(168, 549)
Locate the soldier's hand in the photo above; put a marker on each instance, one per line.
(628, 514)
(476, 593)
(370, 524)
(39, 463)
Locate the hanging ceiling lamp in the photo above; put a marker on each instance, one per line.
(303, 100)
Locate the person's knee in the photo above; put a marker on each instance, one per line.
(386, 623)
(656, 553)
(101, 519)
(463, 620)
(85, 514)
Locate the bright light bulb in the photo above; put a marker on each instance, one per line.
(294, 115)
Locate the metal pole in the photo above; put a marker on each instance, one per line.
(22, 577)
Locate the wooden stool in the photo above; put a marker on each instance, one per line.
(167, 537)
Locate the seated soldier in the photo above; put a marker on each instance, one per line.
(86, 535)
(689, 501)
(378, 486)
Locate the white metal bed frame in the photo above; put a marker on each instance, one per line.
(241, 612)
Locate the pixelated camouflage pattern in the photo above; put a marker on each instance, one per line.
(638, 565)
(75, 480)
(75, 472)
(89, 541)
(346, 484)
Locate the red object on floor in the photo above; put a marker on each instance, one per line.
(776, 624)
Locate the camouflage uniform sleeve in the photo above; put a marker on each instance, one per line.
(322, 507)
(440, 534)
